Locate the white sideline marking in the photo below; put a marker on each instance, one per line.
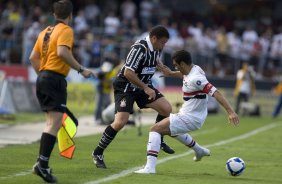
(23, 173)
(204, 132)
(130, 171)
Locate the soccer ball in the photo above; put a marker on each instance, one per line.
(235, 166)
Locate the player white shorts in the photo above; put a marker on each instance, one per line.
(181, 124)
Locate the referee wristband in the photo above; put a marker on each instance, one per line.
(81, 69)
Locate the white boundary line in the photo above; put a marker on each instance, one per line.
(243, 136)
(23, 173)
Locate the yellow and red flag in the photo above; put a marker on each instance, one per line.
(66, 134)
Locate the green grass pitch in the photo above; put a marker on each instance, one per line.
(257, 141)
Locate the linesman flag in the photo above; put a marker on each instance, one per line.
(66, 134)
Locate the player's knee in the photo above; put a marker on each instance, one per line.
(119, 124)
(164, 109)
(155, 128)
(167, 108)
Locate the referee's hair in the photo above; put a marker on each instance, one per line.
(62, 9)
(182, 56)
(159, 31)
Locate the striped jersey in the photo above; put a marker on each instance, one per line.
(196, 83)
(142, 59)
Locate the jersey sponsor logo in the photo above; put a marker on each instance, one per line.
(133, 85)
(148, 70)
(123, 103)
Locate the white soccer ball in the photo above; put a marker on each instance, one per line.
(235, 166)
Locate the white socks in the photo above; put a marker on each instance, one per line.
(153, 149)
(187, 140)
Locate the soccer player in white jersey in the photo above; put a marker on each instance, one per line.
(191, 115)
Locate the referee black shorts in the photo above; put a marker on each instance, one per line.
(51, 91)
(124, 101)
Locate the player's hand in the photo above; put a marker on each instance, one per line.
(150, 92)
(164, 69)
(88, 73)
(233, 118)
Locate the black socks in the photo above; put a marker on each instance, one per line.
(107, 137)
(47, 143)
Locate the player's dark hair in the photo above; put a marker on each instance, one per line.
(62, 9)
(159, 31)
(182, 56)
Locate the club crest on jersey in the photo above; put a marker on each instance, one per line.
(198, 83)
(123, 103)
(148, 70)
(185, 83)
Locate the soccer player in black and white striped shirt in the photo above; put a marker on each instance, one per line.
(133, 84)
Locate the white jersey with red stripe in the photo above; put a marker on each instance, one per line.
(196, 84)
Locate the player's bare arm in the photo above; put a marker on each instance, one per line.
(65, 53)
(133, 78)
(232, 116)
(35, 60)
(167, 72)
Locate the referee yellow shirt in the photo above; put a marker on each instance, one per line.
(62, 34)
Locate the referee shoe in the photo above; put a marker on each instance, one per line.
(44, 173)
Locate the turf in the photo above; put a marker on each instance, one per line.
(261, 152)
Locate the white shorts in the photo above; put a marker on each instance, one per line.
(181, 124)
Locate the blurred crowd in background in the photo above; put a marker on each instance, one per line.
(220, 34)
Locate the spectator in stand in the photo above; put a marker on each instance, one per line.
(29, 38)
(222, 48)
(250, 35)
(234, 50)
(85, 50)
(276, 52)
(249, 46)
(197, 36)
(80, 23)
(112, 24)
(264, 40)
(208, 51)
(128, 9)
(92, 14)
(146, 12)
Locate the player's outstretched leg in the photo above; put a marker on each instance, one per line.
(200, 153)
(188, 141)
